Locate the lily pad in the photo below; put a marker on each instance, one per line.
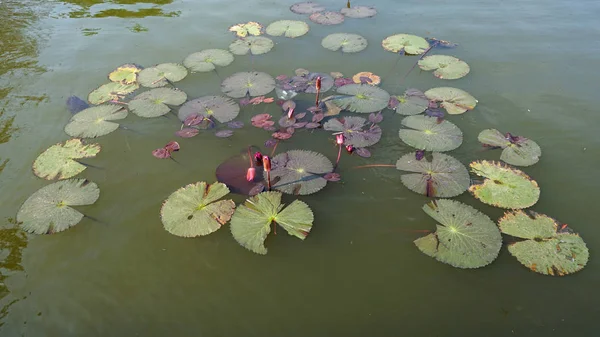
(247, 29)
(455, 101)
(504, 187)
(425, 133)
(411, 103)
(365, 98)
(366, 77)
(155, 102)
(347, 43)
(160, 75)
(125, 74)
(251, 83)
(58, 161)
(311, 80)
(327, 18)
(112, 91)
(208, 60)
(443, 176)
(308, 7)
(95, 121)
(251, 222)
(444, 66)
(406, 44)
(287, 28)
(550, 248)
(195, 210)
(359, 12)
(255, 45)
(49, 211)
(357, 131)
(221, 108)
(518, 151)
(300, 172)
(466, 237)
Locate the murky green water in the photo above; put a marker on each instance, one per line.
(358, 273)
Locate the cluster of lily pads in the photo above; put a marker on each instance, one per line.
(465, 237)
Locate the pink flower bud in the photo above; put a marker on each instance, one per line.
(251, 174)
(339, 139)
(266, 163)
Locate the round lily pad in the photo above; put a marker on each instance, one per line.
(300, 172)
(359, 12)
(347, 43)
(444, 66)
(58, 161)
(455, 101)
(208, 60)
(195, 210)
(160, 75)
(155, 102)
(251, 83)
(365, 98)
(550, 248)
(311, 81)
(357, 131)
(247, 29)
(221, 108)
(518, 151)
(49, 211)
(287, 28)
(252, 44)
(327, 18)
(504, 187)
(405, 43)
(95, 121)
(466, 237)
(251, 222)
(411, 104)
(443, 176)
(366, 77)
(125, 74)
(425, 133)
(308, 7)
(112, 91)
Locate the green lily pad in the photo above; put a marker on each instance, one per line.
(409, 104)
(359, 12)
(364, 98)
(125, 74)
(95, 121)
(466, 237)
(550, 248)
(112, 91)
(518, 151)
(49, 210)
(221, 108)
(155, 102)
(308, 7)
(405, 43)
(208, 60)
(58, 161)
(255, 45)
(327, 18)
(504, 187)
(251, 83)
(246, 29)
(454, 100)
(425, 133)
(251, 222)
(160, 75)
(287, 28)
(195, 210)
(348, 43)
(445, 175)
(300, 172)
(444, 66)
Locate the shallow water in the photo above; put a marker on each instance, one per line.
(358, 273)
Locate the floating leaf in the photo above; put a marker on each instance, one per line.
(359, 12)
(504, 187)
(366, 77)
(95, 121)
(112, 91)
(425, 133)
(443, 176)
(251, 222)
(155, 102)
(251, 83)
(327, 18)
(252, 44)
(58, 161)
(49, 211)
(221, 108)
(519, 151)
(357, 131)
(208, 60)
(365, 98)
(160, 75)
(444, 66)
(466, 237)
(262, 120)
(348, 43)
(411, 103)
(187, 132)
(126, 74)
(308, 7)
(311, 80)
(362, 152)
(454, 100)
(405, 43)
(235, 124)
(195, 210)
(300, 172)
(248, 28)
(224, 133)
(161, 153)
(287, 28)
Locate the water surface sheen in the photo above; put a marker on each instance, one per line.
(358, 273)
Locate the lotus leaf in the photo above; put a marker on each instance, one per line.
(300, 172)
(251, 83)
(255, 45)
(327, 18)
(528, 226)
(359, 12)
(160, 75)
(518, 151)
(444, 66)
(208, 60)
(356, 130)
(246, 29)
(405, 43)
(347, 43)
(425, 133)
(221, 108)
(287, 28)
(308, 7)
(112, 91)
(454, 100)
(411, 103)
(365, 98)
(95, 121)
(126, 74)
(58, 161)
(155, 102)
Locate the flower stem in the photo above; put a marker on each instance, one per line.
(337, 161)
(274, 148)
(268, 180)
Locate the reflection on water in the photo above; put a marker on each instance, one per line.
(12, 243)
(84, 9)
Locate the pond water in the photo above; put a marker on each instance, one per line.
(358, 273)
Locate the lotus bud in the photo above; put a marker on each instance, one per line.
(339, 139)
(290, 113)
(251, 174)
(349, 148)
(266, 163)
(258, 159)
(318, 83)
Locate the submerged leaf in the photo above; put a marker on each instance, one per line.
(208, 60)
(95, 121)
(187, 132)
(255, 45)
(161, 74)
(252, 83)
(224, 133)
(356, 130)
(455, 101)
(365, 98)
(327, 18)
(300, 172)
(287, 28)
(347, 43)
(221, 108)
(155, 102)
(425, 133)
(308, 7)
(76, 104)
(444, 66)
(405, 43)
(519, 151)
(58, 161)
